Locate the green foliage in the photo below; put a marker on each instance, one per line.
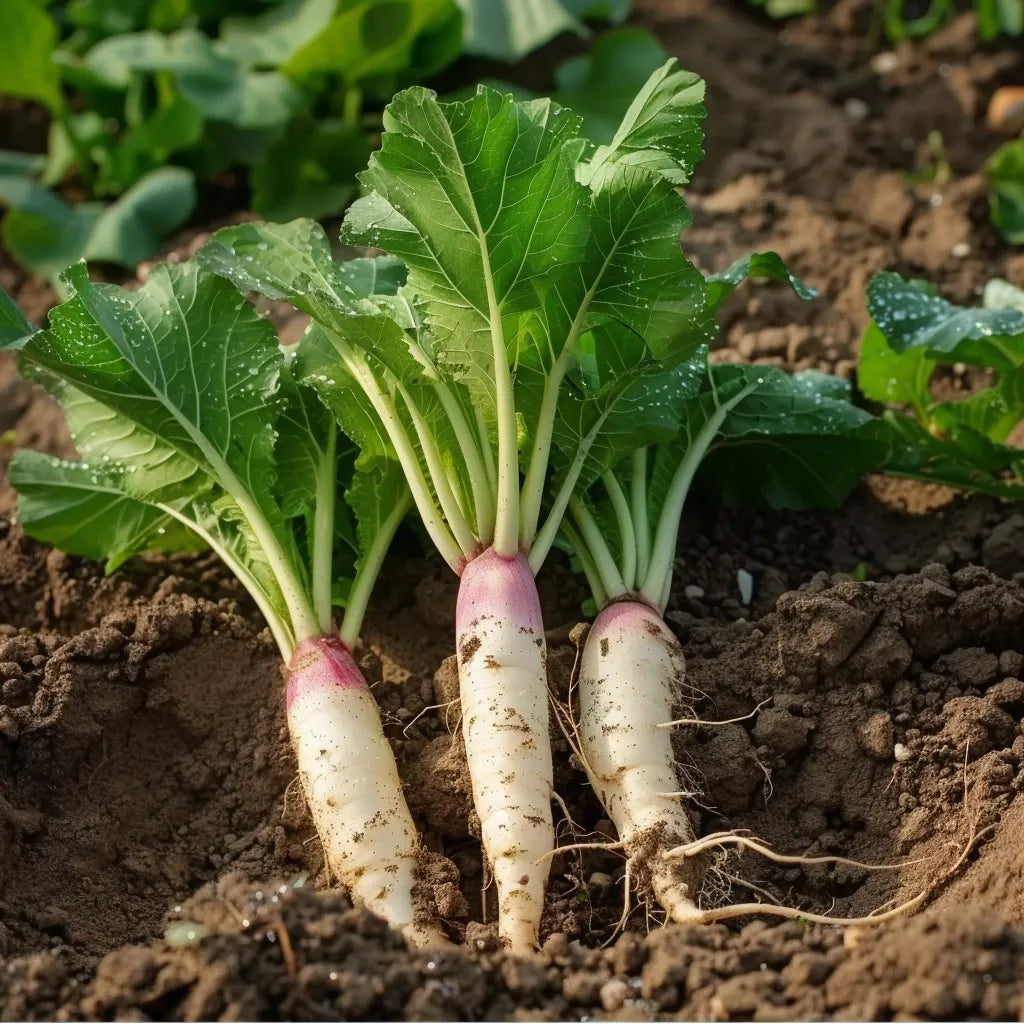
(748, 434)
(48, 234)
(194, 433)
(280, 89)
(27, 67)
(1005, 170)
(14, 325)
(547, 309)
(507, 30)
(757, 266)
(960, 442)
(795, 441)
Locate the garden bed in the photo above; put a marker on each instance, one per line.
(146, 782)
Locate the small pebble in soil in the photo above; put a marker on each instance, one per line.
(885, 63)
(901, 752)
(856, 109)
(613, 994)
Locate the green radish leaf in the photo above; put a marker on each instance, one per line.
(761, 265)
(373, 275)
(618, 400)
(910, 316)
(229, 530)
(885, 375)
(379, 349)
(793, 442)
(373, 498)
(749, 434)
(293, 262)
(348, 302)
(85, 509)
(965, 460)
(1005, 171)
(194, 429)
(184, 358)
(633, 269)
(376, 43)
(154, 471)
(661, 131)
(15, 327)
(509, 235)
(131, 229)
(480, 200)
(317, 366)
(304, 432)
(28, 36)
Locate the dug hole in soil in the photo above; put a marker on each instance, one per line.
(156, 857)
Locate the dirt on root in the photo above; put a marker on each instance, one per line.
(156, 858)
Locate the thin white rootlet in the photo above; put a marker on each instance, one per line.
(631, 669)
(503, 690)
(352, 786)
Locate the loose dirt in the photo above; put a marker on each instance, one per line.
(156, 858)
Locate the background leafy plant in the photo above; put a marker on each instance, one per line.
(1005, 170)
(962, 442)
(277, 88)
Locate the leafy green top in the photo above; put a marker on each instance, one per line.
(751, 434)
(538, 266)
(192, 430)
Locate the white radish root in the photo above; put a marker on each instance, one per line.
(351, 783)
(631, 672)
(503, 693)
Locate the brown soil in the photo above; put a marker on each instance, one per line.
(156, 859)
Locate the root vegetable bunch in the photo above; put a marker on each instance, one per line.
(527, 364)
